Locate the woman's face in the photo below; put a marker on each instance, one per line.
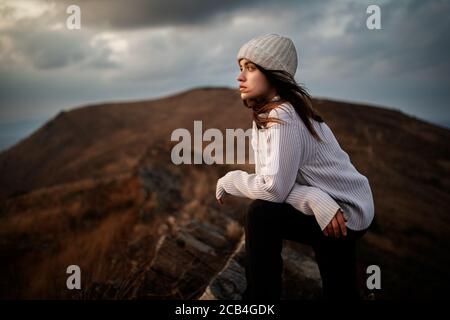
(252, 82)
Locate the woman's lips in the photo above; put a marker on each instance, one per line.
(242, 88)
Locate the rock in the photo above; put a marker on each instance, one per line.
(230, 283)
(185, 262)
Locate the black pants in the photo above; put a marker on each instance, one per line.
(267, 224)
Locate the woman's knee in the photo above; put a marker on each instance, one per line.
(260, 210)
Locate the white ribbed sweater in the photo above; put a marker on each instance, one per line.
(314, 177)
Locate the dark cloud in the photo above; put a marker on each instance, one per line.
(35, 45)
(159, 13)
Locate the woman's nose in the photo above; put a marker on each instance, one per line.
(240, 77)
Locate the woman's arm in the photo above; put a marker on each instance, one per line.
(313, 201)
(281, 147)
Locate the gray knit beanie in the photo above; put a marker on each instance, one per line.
(272, 52)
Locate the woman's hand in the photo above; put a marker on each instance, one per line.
(336, 227)
(220, 192)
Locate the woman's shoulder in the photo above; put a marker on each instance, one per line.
(285, 111)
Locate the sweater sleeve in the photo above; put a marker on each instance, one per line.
(313, 201)
(279, 155)
(254, 147)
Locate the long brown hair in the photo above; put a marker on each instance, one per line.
(289, 91)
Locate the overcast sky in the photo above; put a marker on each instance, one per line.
(128, 50)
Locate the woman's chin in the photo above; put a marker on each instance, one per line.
(245, 95)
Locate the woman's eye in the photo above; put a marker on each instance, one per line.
(250, 68)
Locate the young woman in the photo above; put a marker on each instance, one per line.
(304, 188)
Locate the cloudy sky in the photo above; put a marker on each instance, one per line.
(129, 50)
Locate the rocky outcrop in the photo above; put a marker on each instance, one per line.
(185, 262)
